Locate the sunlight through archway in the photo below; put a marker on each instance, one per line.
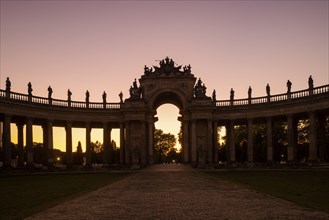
(168, 121)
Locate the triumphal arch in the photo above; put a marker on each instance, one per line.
(201, 115)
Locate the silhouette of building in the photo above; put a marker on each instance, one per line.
(135, 117)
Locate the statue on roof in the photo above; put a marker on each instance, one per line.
(135, 91)
(147, 70)
(29, 89)
(8, 85)
(104, 97)
(167, 67)
(69, 94)
(121, 97)
(87, 96)
(187, 69)
(249, 92)
(50, 92)
(232, 94)
(214, 96)
(268, 90)
(310, 82)
(200, 89)
(289, 86)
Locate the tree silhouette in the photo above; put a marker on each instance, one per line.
(78, 156)
(164, 144)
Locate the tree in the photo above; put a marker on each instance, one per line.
(96, 150)
(164, 145)
(78, 157)
(180, 136)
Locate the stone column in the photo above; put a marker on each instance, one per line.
(29, 142)
(127, 142)
(193, 142)
(20, 143)
(88, 141)
(144, 147)
(215, 141)
(150, 142)
(209, 143)
(291, 150)
(68, 129)
(122, 143)
(185, 137)
(110, 147)
(45, 145)
(321, 139)
(106, 144)
(250, 141)
(50, 143)
(269, 140)
(7, 141)
(313, 150)
(231, 141)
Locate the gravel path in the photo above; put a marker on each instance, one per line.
(176, 192)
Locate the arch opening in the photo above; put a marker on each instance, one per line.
(167, 146)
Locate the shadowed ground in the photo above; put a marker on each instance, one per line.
(176, 192)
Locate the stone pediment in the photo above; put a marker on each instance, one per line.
(167, 68)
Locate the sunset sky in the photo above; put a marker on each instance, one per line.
(104, 45)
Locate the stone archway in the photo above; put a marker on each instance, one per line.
(158, 100)
(168, 83)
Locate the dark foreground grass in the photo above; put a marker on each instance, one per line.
(24, 195)
(308, 188)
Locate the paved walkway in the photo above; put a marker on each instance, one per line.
(176, 192)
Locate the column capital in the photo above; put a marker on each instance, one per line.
(289, 115)
(105, 124)
(18, 124)
(8, 116)
(29, 119)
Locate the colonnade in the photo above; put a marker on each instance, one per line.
(316, 135)
(194, 135)
(47, 128)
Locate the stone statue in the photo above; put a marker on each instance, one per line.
(50, 92)
(167, 60)
(200, 89)
(147, 70)
(104, 97)
(135, 84)
(69, 94)
(232, 94)
(121, 97)
(204, 89)
(172, 63)
(131, 91)
(134, 91)
(249, 92)
(187, 69)
(199, 82)
(8, 85)
(310, 82)
(87, 96)
(289, 86)
(29, 89)
(268, 90)
(214, 96)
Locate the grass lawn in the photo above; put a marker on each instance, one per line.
(308, 188)
(24, 195)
